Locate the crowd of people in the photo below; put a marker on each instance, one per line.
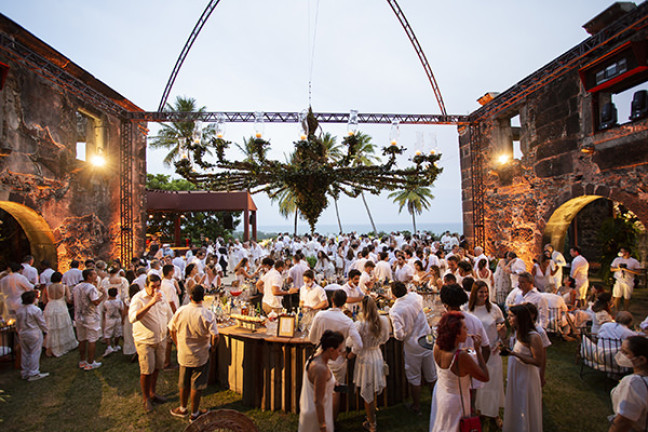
(491, 307)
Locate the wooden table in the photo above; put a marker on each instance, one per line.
(268, 370)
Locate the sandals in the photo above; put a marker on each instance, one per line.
(370, 427)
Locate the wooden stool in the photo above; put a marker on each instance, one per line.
(223, 419)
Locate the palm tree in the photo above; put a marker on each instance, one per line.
(174, 136)
(287, 204)
(365, 156)
(417, 199)
(333, 153)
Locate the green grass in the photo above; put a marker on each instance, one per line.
(108, 399)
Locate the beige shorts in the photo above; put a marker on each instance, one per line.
(151, 357)
(193, 377)
(89, 334)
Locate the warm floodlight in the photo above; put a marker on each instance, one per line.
(502, 159)
(98, 160)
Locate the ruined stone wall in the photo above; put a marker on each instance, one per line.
(39, 169)
(521, 196)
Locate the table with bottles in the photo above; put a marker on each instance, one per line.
(267, 370)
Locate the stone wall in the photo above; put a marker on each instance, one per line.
(554, 177)
(39, 168)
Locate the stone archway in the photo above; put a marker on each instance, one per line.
(37, 230)
(562, 218)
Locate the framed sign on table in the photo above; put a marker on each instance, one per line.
(286, 327)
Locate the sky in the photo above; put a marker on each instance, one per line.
(260, 55)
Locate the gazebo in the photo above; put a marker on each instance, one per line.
(179, 202)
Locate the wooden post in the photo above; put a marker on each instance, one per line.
(176, 228)
(246, 225)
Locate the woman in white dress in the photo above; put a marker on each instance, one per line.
(369, 373)
(483, 273)
(455, 367)
(316, 399)
(630, 397)
(543, 273)
(490, 398)
(502, 280)
(60, 335)
(192, 277)
(523, 406)
(325, 267)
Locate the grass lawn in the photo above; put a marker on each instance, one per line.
(108, 399)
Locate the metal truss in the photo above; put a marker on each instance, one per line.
(293, 117)
(478, 189)
(392, 3)
(185, 50)
(629, 23)
(419, 52)
(42, 66)
(126, 191)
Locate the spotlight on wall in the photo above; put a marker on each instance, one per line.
(609, 116)
(587, 149)
(98, 159)
(639, 106)
(503, 158)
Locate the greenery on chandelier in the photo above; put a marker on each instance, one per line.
(316, 169)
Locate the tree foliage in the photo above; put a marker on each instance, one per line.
(312, 173)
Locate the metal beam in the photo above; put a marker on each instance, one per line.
(293, 117)
(126, 191)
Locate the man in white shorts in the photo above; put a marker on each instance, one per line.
(87, 319)
(409, 323)
(625, 268)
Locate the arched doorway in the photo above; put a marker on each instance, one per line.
(33, 228)
(587, 228)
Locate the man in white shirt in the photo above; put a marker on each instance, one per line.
(150, 312)
(383, 270)
(352, 288)
(409, 324)
(529, 294)
(624, 268)
(334, 319)
(479, 255)
(557, 312)
(367, 278)
(45, 277)
(453, 268)
(403, 272)
(579, 271)
(141, 278)
(516, 267)
(272, 289)
(311, 295)
(28, 271)
(170, 289)
(558, 260)
(13, 286)
(296, 272)
(86, 317)
(73, 276)
(194, 330)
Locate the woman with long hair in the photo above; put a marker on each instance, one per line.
(316, 399)
(324, 266)
(455, 368)
(489, 398)
(602, 309)
(241, 272)
(192, 278)
(483, 273)
(523, 406)
(369, 374)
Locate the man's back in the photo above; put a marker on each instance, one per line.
(194, 325)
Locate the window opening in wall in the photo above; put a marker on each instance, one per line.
(83, 124)
(624, 103)
(515, 137)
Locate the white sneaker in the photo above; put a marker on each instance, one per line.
(83, 364)
(116, 348)
(91, 366)
(38, 376)
(109, 350)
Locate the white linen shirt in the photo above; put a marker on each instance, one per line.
(312, 296)
(152, 327)
(272, 278)
(194, 325)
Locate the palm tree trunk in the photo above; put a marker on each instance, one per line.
(296, 214)
(373, 225)
(414, 222)
(337, 213)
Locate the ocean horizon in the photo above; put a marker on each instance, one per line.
(303, 228)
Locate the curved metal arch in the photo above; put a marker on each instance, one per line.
(392, 3)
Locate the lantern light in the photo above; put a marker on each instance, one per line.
(394, 133)
(220, 125)
(259, 125)
(352, 125)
